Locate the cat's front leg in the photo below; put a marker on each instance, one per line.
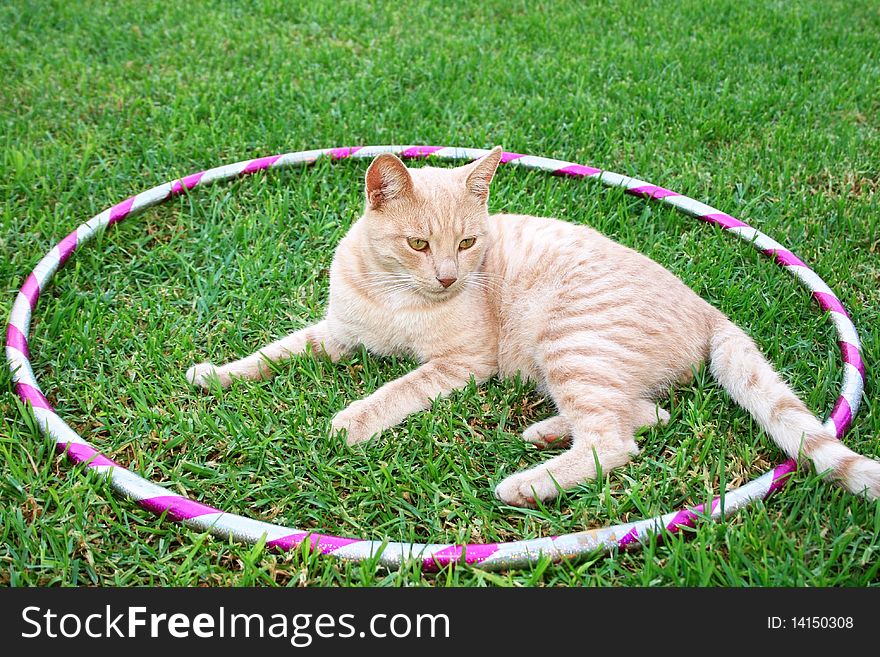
(413, 392)
(256, 366)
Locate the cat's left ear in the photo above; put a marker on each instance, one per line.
(387, 179)
(481, 172)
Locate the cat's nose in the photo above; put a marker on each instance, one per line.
(446, 282)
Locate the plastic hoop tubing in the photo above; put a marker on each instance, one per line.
(489, 556)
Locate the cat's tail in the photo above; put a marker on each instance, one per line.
(740, 367)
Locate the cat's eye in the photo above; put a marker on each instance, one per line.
(417, 244)
(466, 244)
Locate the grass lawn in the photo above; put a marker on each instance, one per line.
(768, 111)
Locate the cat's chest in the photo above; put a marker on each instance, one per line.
(389, 330)
(405, 332)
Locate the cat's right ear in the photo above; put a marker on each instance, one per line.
(387, 179)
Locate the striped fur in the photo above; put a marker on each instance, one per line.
(598, 327)
(751, 381)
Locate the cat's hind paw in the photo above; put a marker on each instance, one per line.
(552, 432)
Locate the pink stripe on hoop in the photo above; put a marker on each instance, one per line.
(30, 394)
(510, 157)
(287, 542)
(66, 247)
(852, 356)
(830, 303)
(784, 257)
(31, 290)
(577, 170)
(259, 164)
(472, 554)
(344, 152)
(186, 183)
(420, 151)
(632, 536)
(688, 517)
(841, 416)
(120, 211)
(178, 508)
(781, 473)
(80, 453)
(320, 542)
(16, 340)
(327, 544)
(684, 518)
(651, 191)
(723, 220)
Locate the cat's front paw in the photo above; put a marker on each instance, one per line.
(356, 421)
(523, 488)
(662, 416)
(203, 374)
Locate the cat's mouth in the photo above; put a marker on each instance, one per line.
(440, 293)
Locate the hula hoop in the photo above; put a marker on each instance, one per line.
(391, 554)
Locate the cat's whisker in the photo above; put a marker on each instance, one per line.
(387, 275)
(386, 291)
(486, 283)
(485, 276)
(380, 280)
(382, 283)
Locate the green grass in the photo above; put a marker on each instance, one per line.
(768, 111)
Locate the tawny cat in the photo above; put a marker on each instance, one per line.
(427, 272)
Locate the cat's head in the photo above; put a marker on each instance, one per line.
(427, 227)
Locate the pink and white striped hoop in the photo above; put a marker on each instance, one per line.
(433, 556)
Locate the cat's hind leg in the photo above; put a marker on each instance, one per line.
(596, 443)
(646, 413)
(553, 432)
(574, 467)
(601, 415)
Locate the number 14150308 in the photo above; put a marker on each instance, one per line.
(810, 623)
